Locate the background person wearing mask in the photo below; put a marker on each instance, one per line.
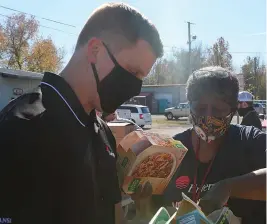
(57, 159)
(246, 110)
(223, 160)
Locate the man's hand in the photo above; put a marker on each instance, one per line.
(142, 198)
(216, 198)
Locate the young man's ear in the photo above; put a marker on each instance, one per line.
(93, 48)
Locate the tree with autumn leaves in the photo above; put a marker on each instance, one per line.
(174, 70)
(219, 55)
(22, 48)
(254, 72)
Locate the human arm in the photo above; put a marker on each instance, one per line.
(249, 186)
(119, 214)
(147, 204)
(252, 184)
(14, 169)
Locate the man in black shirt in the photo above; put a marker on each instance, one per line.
(246, 110)
(57, 159)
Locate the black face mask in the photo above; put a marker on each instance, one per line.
(243, 111)
(117, 87)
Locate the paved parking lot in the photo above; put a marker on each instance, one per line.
(162, 126)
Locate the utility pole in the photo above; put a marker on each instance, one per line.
(256, 77)
(189, 47)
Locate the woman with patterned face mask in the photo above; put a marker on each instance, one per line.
(221, 156)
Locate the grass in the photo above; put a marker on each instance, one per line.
(164, 121)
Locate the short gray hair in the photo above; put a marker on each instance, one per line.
(213, 80)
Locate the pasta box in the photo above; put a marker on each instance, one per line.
(120, 130)
(149, 157)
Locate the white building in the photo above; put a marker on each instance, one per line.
(14, 83)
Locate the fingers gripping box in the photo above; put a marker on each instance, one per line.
(149, 157)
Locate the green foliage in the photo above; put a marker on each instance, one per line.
(254, 74)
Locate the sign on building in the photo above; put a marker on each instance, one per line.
(17, 91)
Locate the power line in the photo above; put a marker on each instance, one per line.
(47, 19)
(231, 52)
(171, 48)
(47, 27)
(62, 31)
(165, 46)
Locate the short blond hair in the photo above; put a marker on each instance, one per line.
(119, 25)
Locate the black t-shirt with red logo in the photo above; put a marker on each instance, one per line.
(243, 151)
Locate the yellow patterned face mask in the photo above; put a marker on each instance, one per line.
(209, 128)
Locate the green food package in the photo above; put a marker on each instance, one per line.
(161, 217)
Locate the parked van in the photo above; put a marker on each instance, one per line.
(139, 114)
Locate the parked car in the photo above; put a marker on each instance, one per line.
(139, 114)
(182, 110)
(264, 124)
(125, 114)
(259, 108)
(262, 102)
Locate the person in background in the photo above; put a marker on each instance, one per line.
(246, 110)
(108, 117)
(225, 163)
(57, 158)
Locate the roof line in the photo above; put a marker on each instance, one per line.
(11, 73)
(164, 85)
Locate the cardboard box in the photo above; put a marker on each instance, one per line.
(120, 130)
(118, 140)
(190, 212)
(149, 157)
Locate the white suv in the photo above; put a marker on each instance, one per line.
(139, 114)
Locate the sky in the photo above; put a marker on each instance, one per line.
(241, 22)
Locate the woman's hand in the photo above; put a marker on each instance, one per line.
(216, 198)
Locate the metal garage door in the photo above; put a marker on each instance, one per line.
(165, 96)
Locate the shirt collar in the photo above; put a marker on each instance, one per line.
(56, 85)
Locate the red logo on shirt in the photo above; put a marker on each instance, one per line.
(182, 182)
(110, 151)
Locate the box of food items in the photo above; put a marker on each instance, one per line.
(120, 130)
(189, 212)
(149, 157)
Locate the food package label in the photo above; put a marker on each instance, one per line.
(161, 217)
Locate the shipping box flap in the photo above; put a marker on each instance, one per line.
(190, 212)
(120, 130)
(119, 124)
